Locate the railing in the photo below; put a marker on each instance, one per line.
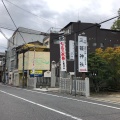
(67, 85)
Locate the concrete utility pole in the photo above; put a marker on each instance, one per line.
(119, 14)
(74, 65)
(34, 69)
(23, 67)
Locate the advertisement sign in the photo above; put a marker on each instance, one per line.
(71, 50)
(36, 73)
(82, 54)
(63, 55)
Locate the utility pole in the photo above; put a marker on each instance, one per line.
(23, 67)
(75, 64)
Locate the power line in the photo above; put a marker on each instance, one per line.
(30, 12)
(3, 34)
(12, 20)
(88, 27)
(41, 33)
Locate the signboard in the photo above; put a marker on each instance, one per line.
(36, 73)
(71, 50)
(63, 55)
(41, 61)
(47, 74)
(82, 54)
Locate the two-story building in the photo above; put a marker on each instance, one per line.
(20, 37)
(96, 38)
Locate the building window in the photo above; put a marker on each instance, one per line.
(56, 41)
(87, 44)
(12, 65)
(94, 44)
(101, 44)
(116, 45)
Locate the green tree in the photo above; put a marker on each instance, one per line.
(116, 24)
(112, 56)
(98, 71)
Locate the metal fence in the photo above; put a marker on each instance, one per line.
(82, 86)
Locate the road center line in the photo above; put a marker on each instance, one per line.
(40, 105)
(108, 106)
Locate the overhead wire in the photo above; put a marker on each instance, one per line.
(62, 34)
(13, 22)
(30, 12)
(6, 37)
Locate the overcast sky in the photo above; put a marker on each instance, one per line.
(55, 13)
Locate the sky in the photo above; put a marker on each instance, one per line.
(54, 13)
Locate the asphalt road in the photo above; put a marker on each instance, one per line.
(23, 104)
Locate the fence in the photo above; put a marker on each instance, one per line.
(82, 86)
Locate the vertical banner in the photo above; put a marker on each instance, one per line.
(63, 55)
(71, 50)
(82, 54)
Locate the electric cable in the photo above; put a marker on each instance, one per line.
(29, 12)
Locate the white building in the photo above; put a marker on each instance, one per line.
(20, 37)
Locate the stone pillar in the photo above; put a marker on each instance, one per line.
(87, 87)
(53, 71)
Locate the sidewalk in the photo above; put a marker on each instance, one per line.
(109, 96)
(47, 90)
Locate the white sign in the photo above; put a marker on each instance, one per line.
(82, 54)
(71, 50)
(47, 74)
(63, 55)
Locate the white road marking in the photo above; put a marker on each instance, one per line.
(108, 106)
(40, 105)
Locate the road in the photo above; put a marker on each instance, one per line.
(23, 104)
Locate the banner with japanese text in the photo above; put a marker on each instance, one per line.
(63, 55)
(82, 54)
(71, 50)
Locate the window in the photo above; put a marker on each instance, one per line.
(101, 44)
(94, 44)
(56, 41)
(12, 65)
(87, 44)
(116, 45)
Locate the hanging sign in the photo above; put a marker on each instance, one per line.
(82, 54)
(63, 55)
(71, 50)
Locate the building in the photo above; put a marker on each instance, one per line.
(20, 37)
(2, 58)
(96, 38)
(33, 61)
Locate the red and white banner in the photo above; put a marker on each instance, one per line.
(63, 55)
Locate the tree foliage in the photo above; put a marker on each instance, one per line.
(112, 57)
(116, 24)
(98, 70)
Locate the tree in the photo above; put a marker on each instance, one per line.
(112, 57)
(116, 24)
(98, 70)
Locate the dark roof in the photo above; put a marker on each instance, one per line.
(67, 25)
(109, 30)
